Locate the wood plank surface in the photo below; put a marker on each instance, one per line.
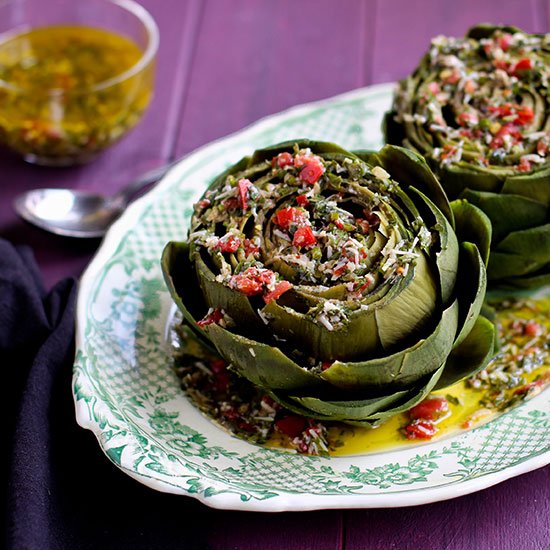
(222, 65)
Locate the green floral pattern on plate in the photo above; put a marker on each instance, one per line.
(127, 394)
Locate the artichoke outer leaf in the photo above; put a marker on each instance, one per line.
(414, 305)
(472, 355)
(473, 225)
(457, 178)
(484, 30)
(529, 283)
(357, 337)
(507, 213)
(264, 365)
(471, 289)
(524, 252)
(404, 367)
(364, 413)
(535, 186)
(347, 410)
(180, 280)
(448, 255)
(411, 170)
(414, 396)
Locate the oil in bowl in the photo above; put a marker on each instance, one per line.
(69, 91)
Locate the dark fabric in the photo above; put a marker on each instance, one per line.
(62, 492)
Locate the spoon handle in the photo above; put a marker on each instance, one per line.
(123, 197)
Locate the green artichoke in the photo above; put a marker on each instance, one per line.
(343, 294)
(477, 109)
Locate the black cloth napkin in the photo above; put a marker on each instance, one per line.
(61, 492)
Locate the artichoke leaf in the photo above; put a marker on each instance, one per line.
(520, 253)
(262, 364)
(447, 257)
(356, 337)
(414, 396)
(472, 355)
(484, 30)
(411, 170)
(471, 289)
(411, 308)
(473, 225)
(346, 410)
(507, 213)
(535, 186)
(403, 367)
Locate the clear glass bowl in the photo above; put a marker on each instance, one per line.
(72, 122)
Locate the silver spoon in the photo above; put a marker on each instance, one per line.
(75, 213)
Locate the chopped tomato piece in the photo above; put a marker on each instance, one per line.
(277, 292)
(521, 66)
(430, 409)
(212, 317)
(287, 216)
(218, 365)
(244, 186)
(468, 119)
(302, 200)
(506, 130)
(524, 165)
(250, 248)
(420, 429)
(325, 365)
(524, 116)
(304, 237)
(291, 425)
(434, 87)
(204, 203)
(532, 328)
(505, 41)
(229, 243)
(312, 168)
(282, 160)
(230, 204)
(338, 223)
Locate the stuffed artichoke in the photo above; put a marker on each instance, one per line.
(477, 109)
(344, 285)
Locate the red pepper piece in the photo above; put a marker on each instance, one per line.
(430, 409)
(250, 248)
(213, 317)
(420, 429)
(523, 65)
(524, 165)
(302, 200)
(312, 171)
(229, 244)
(505, 41)
(244, 186)
(277, 292)
(304, 237)
(532, 328)
(282, 160)
(218, 365)
(524, 116)
(291, 425)
(285, 217)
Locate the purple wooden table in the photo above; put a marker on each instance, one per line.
(222, 65)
